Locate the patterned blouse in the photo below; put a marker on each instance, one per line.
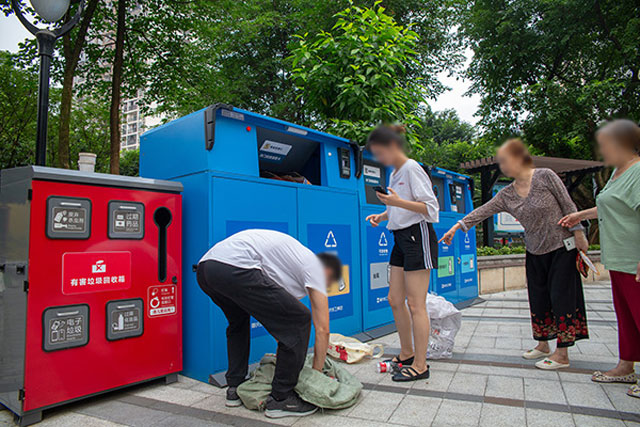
(539, 212)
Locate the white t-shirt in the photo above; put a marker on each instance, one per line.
(412, 183)
(281, 257)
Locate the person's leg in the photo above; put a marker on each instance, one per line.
(285, 318)
(213, 276)
(626, 300)
(567, 302)
(401, 316)
(539, 301)
(417, 285)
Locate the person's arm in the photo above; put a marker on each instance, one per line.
(567, 206)
(479, 214)
(320, 316)
(574, 219)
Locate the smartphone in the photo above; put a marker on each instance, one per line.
(380, 190)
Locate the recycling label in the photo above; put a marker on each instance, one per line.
(335, 239)
(162, 300)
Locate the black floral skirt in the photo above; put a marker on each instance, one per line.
(556, 298)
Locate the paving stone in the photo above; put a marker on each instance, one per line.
(457, 413)
(416, 411)
(588, 421)
(74, 419)
(468, 384)
(502, 416)
(617, 394)
(186, 421)
(124, 413)
(439, 380)
(322, 420)
(542, 418)
(170, 394)
(217, 404)
(544, 391)
(589, 395)
(506, 387)
(376, 406)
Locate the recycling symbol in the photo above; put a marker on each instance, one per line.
(330, 241)
(383, 240)
(466, 238)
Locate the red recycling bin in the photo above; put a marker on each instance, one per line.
(90, 285)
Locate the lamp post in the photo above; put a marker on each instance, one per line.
(50, 11)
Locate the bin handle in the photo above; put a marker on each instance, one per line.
(358, 157)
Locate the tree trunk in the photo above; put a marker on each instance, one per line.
(116, 82)
(72, 51)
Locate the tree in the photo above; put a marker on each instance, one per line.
(130, 163)
(554, 70)
(358, 74)
(72, 46)
(18, 111)
(116, 81)
(445, 127)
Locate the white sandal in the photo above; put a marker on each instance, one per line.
(601, 377)
(634, 391)
(535, 354)
(550, 365)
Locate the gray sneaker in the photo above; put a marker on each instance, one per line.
(292, 406)
(233, 400)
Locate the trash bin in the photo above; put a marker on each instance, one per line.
(376, 244)
(90, 285)
(456, 278)
(242, 170)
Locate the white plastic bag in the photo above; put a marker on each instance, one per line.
(351, 350)
(446, 320)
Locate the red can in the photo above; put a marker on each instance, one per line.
(388, 367)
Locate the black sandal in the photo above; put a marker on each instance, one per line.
(397, 361)
(408, 373)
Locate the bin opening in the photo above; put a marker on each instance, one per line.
(287, 157)
(438, 190)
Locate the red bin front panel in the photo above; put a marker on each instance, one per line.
(104, 301)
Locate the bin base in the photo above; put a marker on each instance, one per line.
(29, 418)
(171, 378)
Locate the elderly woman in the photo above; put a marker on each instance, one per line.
(538, 199)
(618, 212)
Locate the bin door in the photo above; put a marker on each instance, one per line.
(328, 222)
(444, 281)
(468, 263)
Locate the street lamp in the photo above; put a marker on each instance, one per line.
(49, 11)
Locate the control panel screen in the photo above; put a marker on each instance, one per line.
(374, 175)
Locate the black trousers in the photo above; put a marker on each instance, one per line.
(242, 293)
(556, 298)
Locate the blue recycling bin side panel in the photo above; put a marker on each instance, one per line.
(328, 222)
(376, 244)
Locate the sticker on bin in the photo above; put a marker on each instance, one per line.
(84, 272)
(162, 300)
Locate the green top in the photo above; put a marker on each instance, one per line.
(619, 220)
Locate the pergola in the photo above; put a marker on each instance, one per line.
(571, 171)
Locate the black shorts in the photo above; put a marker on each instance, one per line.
(415, 247)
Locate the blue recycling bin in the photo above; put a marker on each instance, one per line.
(376, 244)
(231, 163)
(456, 278)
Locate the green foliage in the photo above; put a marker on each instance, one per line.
(504, 250)
(553, 70)
(357, 75)
(130, 163)
(18, 110)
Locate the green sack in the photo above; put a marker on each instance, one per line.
(334, 388)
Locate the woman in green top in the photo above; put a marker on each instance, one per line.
(618, 212)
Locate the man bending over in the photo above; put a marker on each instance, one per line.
(264, 274)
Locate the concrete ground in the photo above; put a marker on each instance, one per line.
(487, 383)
